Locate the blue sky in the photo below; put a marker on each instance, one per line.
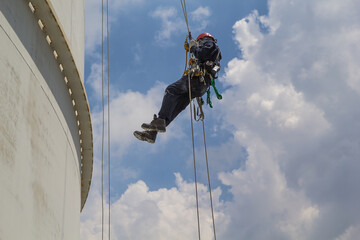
(283, 143)
(141, 55)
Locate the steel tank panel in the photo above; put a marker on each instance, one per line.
(40, 144)
(70, 15)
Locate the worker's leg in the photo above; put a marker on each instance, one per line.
(176, 97)
(175, 100)
(181, 104)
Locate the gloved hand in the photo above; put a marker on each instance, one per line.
(186, 46)
(192, 43)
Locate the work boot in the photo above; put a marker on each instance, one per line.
(149, 136)
(157, 125)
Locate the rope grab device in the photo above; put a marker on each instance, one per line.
(192, 68)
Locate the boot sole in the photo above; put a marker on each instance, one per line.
(142, 138)
(151, 128)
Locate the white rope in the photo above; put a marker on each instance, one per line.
(183, 4)
(103, 120)
(108, 100)
(201, 116)
(103, 116)
(193, 145)
(208, 175)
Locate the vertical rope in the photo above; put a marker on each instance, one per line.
(103, 115)
(183, 4)
(193, 145)
(103, 120)
(108, 100)
(208, 175)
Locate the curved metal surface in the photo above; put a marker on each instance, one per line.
(51, 26)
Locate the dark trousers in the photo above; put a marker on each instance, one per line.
(176, 96)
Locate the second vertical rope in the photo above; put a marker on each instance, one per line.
(193, 145)
(108, 100)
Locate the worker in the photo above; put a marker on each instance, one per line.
(207, 55)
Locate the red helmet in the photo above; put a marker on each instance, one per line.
(205, 34)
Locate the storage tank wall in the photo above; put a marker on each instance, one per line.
(71, 19)
(40, 143)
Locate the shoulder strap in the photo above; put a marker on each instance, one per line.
(218, 57)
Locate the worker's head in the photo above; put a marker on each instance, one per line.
(204, 36)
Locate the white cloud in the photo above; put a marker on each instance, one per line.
(128, 111)
(247, 34)
(352, 233)
(200, 13)
(94, 79)
(291, 102)
(200, 18)
(163, 214)
(263, 206)
(170, 24)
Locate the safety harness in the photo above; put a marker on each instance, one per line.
(210, 68)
